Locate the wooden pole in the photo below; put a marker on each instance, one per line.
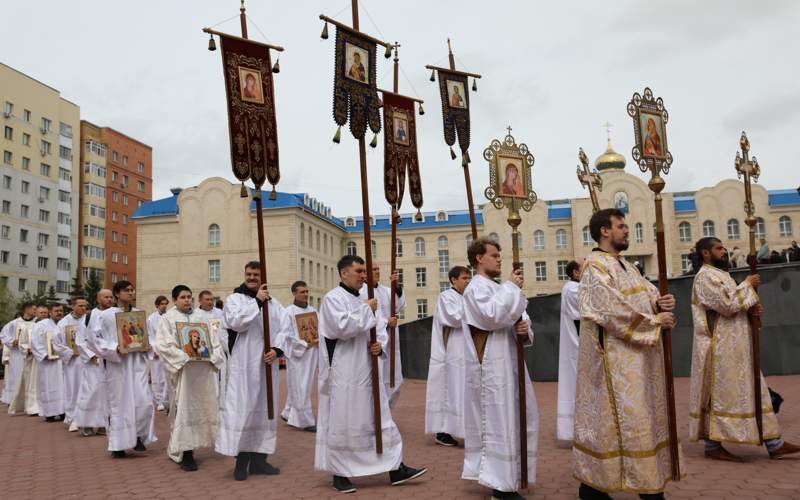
(514, 221)
(393, 249)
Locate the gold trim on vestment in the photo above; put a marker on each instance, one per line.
(625, 489)
(634, 325)
(724, 414)
(622, 452)
(630, 291)
(600, 267)
(613, 401)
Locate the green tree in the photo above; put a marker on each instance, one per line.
(7, 305)
(90, 289)
(36, 298)
(51, 297)
(77, 289)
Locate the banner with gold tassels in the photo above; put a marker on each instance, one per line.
(400, 150)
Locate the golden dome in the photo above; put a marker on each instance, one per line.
(610, 160)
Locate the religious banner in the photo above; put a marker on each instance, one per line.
(355, 91)
(400, 150)
(455, 109)
(251, 110)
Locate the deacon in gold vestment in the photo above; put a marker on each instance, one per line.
(621, 426)
(721, 394)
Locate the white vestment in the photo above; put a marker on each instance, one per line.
(244, 425)
(567, 361)
(130, 401)
(91, 408)
(158, 379)
(50, 376)
(444, 395)
(384, 296)
(301, 371)
(217, 327)
(345, 426)
(19, 368)
(193, 412)
(6, 360)
(71, 363)
(491, 407)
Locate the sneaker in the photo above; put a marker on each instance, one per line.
(240, 469)
(118, 454)
(259, 465)
(310, 428)
(405, 473)
(100, 431)
(62, 417)
(187, 461)
(445, 439)
(86, 431)
(787, 449)
(73, 427)
(139, 445)
(50, 419)
(722, 454)
(160, 407)
(506, 495)
(343, 485)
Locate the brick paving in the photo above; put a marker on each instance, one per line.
(41, 460)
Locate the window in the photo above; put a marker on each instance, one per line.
(8, 133)
(140, 167)
(63, 264)
(26, 163)
(44, 193)
(64, 218)
(64, 174)
(97, 232)
(733, 229)
(350, 222)
(494, 237)
(97, 211)
(325, 243)
(94, 169)
(351, 248)
(422, 308)
(302, 234)
(92, 189)
(114, 216)
(124, 238)
(125, 163)
(44, 238)
(63, 241)
(419, 247)
(125, 259)
(42, 262)
(124, 181)
(93, 252)
(65, 130)
(23, 260)
(41, 287)
(422, 279)
(562, 270)
(46, 125)
(761, 231)
(444, 263)
(399, 277)
(785, 226)
(469, 239)
(8, 158)
(26, 139)
(7, 181)
(6, 207)
(303, 268)
(443, 286)
(45, 149)
(44, 216)
(64, 153)
(561, 239)
(587, 236)
(62, 286)
(310, 271)
(88, 272)
(538, 240)
(398, 247)
(23, 211)
(8, 108)
(95, 148)
(541, 271)
(319, 248)
(655, 232)
(23, 285)
(686, 263)
(115, 196)
(684, 231)
(140, 186)
(114, 176)
(373, 247)
(441, 216)
(113, 277)
(64, 196)
(114, 156)
(25, 186)
(639, 230)
(310, 236)
(23, 235)
(213, 235)
(5, 232)
(4, 256)
(708, 229)
(124, 218)
(213, 271)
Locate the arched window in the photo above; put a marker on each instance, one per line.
(469, 239)
(441, 216)
(419, 247)
(639, 230)
(655, 232)
(494, 237)
(374, 247)
(587, 236)
(733, 229)
(213, 235)
(561, 239)
(325, 243)
(538, 240)
(785, 226)
(441, 241)
(351, 248)
(399, 247)
(519, 240)
(708, 228)
(302, 234)
(684, 231)
(761, 230)
(318, 245)
(310, 237)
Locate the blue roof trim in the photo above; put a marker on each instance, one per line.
(155, 208)
(454, 218)
(783, 197)
(561, 211)
(684, 204)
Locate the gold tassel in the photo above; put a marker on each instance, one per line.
(274, 194)
(474, 85)
(433, 75)
(212, 45)
(418, 217)
(276, 68)
(466, 155)
(452, 153)
(243, 191)
(374, 142)
(324, 34)
(464, 160)
(337, 137)
(421, 109)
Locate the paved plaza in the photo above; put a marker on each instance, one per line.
(41, 460)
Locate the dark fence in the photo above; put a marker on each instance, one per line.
(780, 331)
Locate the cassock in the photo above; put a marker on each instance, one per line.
(567, 360)
(721, 391)
(384, 296)
(193, 411)
(244, 425)
(301, 371)
(18, 371)
(50, 376)
(71, 363)
(491, 400)
(217, 328)
(345, 426)
(130, 401)
(444, 395)
(621, 427)
(158, 380)
(91, 407)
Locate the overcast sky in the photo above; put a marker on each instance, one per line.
(554, 71)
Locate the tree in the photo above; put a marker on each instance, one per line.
(7, 305)
(90, 289)
(77, 289)
(51, 297)
(36, 298)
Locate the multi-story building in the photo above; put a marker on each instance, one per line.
(116, 180)
(38, 228)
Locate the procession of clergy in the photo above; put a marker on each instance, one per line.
(612, 407)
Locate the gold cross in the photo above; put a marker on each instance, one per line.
(509, 129)
(750, 170)
(589, 179)
(607, 126)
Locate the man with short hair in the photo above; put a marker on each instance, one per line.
(721, 406)
(193, 414)
(302, 349)
(570, 326)
(50, 377)
(763, 254)
(68, 353)
(158, 379)
(213, 317)
(91, 412)
(245, 429)
(16, 339)
(494, 316)
(131, 422)
(345, 427)
(444, 393)
(621, 426)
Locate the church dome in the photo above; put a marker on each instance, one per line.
(610, 160)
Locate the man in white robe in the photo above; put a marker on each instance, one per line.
(345, 426)
(15, 376)
(5, 360)
(70, 359)
(50, 376)
(193, 409)
(568, 355)
(444, 395)
(246, 432)
(131, 422)
(494, 315)
(301, 370)
(158, 379)
(383, 294)
(213, 317)
(91, 408)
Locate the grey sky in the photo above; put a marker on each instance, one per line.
(554, 71)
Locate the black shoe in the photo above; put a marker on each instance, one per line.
(445, 439)
(310, 428)
(652, 496)
(405, 473)
(343, 485)
(586, 492)
(139, 445)
(506, 495)
(50, 419)
(187, 461)
(240, 469)
(284, 419)
(118, 454)
(62, 417)
(259, 465)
